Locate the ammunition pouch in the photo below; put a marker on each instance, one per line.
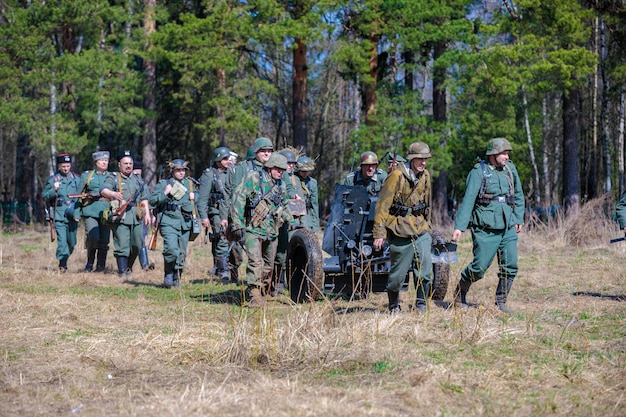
(398, 210)
(484, 199)
(259, 213)
(420, 209)
(170, 206)
(108, 214)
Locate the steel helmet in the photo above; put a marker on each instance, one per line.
(262, 143)
(418, 150)
(277, 161)
(498, 145)
(291, 157)
(369, 158)
(178, 163)
(305, 164)
(250, 154)
(221, 153)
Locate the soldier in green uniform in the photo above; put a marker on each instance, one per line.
(291, 183)
(127, 187)
(97, 234)
(368, 175)
(144, 260)
(308, 190)
(258, 210)
(210, 195)
(493, 207)
(402, 218)
(56, 194)
(258, 154)
(174, 200)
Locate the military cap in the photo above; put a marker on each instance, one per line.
(291, 157)
(177, 163)
(305, 164)
(125, 154)
(64, 158)
(418, 150)
(100, 155)
(221, 153)
(262, 143)
(277, 161)
(137, 165)
(369, 158)
(498, 145)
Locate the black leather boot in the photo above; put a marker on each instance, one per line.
(178, 274)
(63, 265)
(460, 294)
(502, 292)
(122, 266)
(101, 260)
(423, 292)
(91, 257)
(143, 258)
(134, 253)
(168, 276)
(221, 269)
(394, 301)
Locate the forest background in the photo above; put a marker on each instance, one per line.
(333, 78)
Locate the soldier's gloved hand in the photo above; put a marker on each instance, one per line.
(239, 235)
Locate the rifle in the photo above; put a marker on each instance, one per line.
(91, 196)
(130, 202)
(155, 232)
(619, 239)
(53, 232)
(394, 161)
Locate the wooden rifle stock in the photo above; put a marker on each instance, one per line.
(53, 231)
(154, 235)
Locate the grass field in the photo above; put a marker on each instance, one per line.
(87, 344)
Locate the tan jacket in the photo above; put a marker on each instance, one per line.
(402, 187)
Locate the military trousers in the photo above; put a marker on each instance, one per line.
(175, 245)
(127, 238)
(97, 235)
(219, 245)
(282, 245)
(261, 254)
(402, 252)
(487, 243)
(66, 238)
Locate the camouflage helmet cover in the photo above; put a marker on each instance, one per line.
(290, 155)
(277, 161)
(305, 164)
(262, 143)
(418, 150)
(221, 153)
(369, 158)
(498, 145)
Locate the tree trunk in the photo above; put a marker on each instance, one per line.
(440, 190)
(537, 192)
(371, 99)
(546, 151)
(149, 68)
(219, 111)
(570, 152)
(620, 141)
(604, 111)
(299, 108)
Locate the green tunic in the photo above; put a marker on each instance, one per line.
(59, 202)
(373, 184)
(492, 223)
(174, 220)
(127, 234)
(97, 234)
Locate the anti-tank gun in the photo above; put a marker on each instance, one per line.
(349, 265)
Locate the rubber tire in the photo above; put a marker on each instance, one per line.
(305, 266)
(441, 278)
(441, 272)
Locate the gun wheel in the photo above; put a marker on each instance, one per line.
(441, 272)
(305, 273)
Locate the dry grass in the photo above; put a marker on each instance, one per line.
(86, 344)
